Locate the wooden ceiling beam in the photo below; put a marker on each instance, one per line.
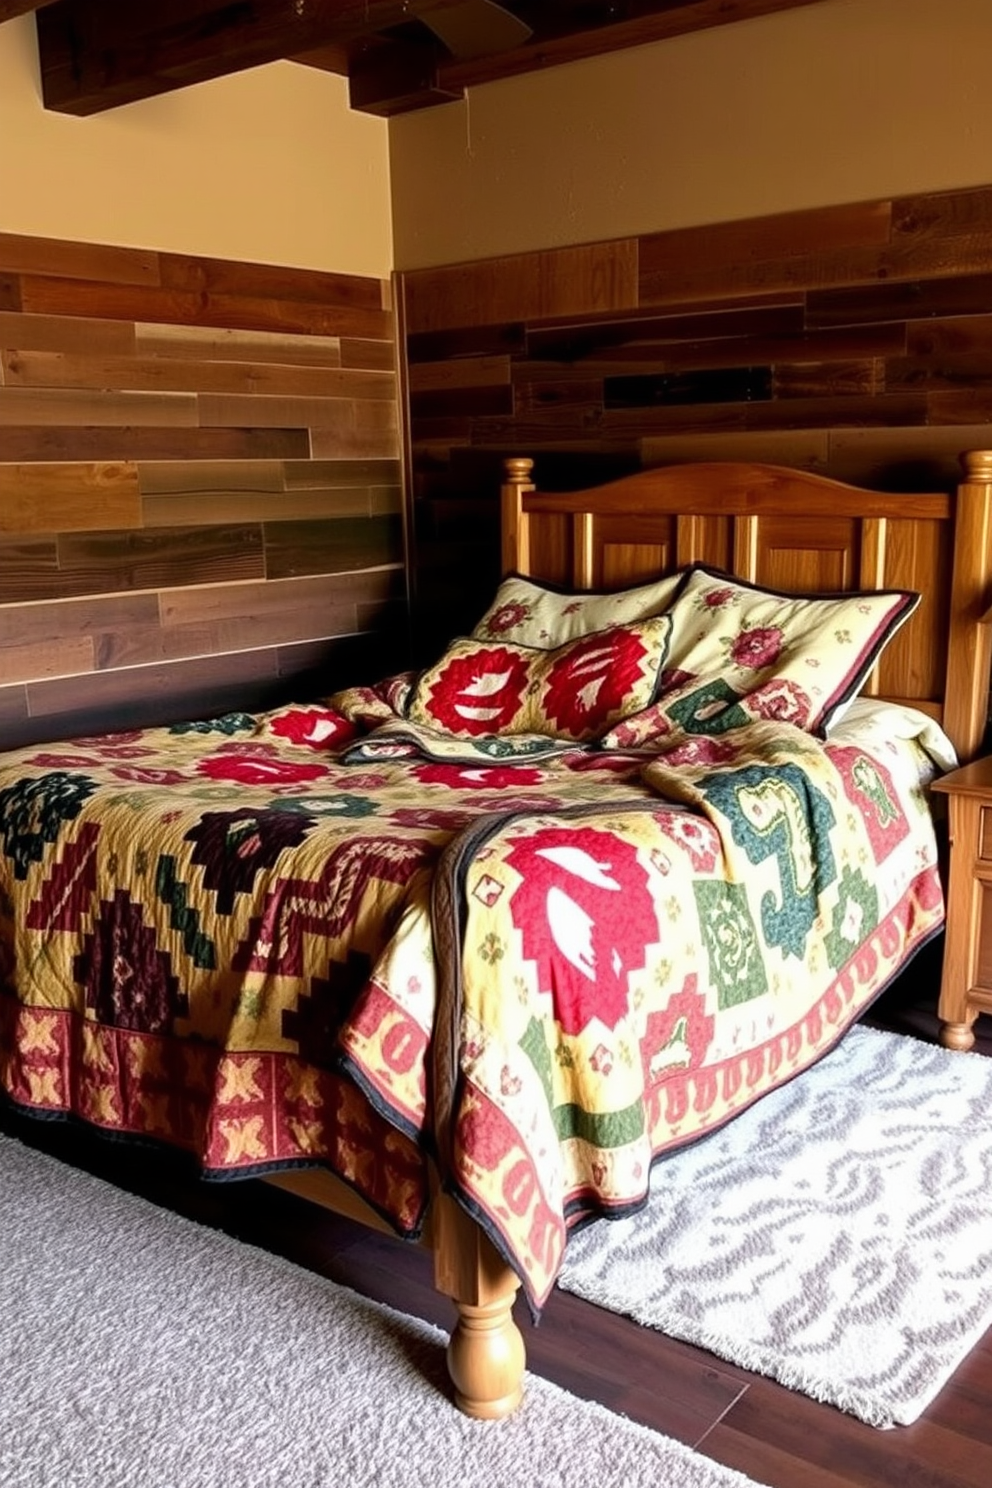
(658, 25)
(9, 9)
(394, 77)
(98, 54)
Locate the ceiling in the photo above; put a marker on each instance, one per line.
(397, 54)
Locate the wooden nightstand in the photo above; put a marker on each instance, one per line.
(966, 984)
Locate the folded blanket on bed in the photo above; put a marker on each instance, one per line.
(628, 981)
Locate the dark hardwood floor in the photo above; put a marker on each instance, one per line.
(772, 1434)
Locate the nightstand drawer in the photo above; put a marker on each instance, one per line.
(985, 833)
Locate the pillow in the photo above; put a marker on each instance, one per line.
(531, 614)
(573, 692)
(740, 652)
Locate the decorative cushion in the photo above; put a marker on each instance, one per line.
(530, 614)
(740, 652)
(575, 691)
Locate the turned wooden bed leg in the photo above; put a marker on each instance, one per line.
(486, 1355)
(959, 1035)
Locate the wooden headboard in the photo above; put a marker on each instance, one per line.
(790, 530)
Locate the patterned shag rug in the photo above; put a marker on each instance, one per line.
(140, 1350)
(836, 1237)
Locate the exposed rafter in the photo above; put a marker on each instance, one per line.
(11, 8)
(98, 54)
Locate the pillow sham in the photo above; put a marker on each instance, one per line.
(527, 613)
(575, 691)
(740, 652)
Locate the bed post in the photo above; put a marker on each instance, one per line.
(969, 650)
(486, 1350)
(513, 524)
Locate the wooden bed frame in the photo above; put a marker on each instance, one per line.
(784, 529)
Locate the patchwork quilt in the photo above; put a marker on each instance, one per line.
(319, 935)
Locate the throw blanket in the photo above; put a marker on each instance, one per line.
(629, 981)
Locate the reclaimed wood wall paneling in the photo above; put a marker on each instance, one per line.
(853, 340)
(200, 499)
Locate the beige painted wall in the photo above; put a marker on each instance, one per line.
(270, 166)
(842, 101)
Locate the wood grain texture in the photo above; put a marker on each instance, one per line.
(347, 545)
(174, 427)
(51, 369)
(562, 281)
(216, 344)
(53, 333)
(56, 296)
(853, 340)
(97, 261)
(69, 497)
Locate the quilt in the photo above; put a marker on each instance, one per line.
(318, 936)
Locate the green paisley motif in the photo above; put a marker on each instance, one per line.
(777, 812)
(855, 916)
(32, 814)
(869, 781)
(713, 708)
(732, 945)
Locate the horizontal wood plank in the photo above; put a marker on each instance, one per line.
(471, 372)
(299, 475)
(102, 262)
(724, 246)
(211, 343)
(206, 477)
(19, 406)
(48, 369)
(69, 497)
(163, 693)
(197, 275)
(180, 443)
(58, 333)
(295, 548)
(356, 431)
(65, 657)
(110, 562)
(156, 420)
(236, 312)
(559, 281)
(43, 624)
(375, 356)
(210, 603)
(315, 503)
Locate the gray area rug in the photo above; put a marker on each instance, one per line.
(140, 1350)
(836, 1237)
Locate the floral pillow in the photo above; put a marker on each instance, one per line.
(531, 614)
(739, 652)
(575, 691)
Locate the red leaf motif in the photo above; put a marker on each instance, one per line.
(586, 917)
(587, 686)
(480, 693)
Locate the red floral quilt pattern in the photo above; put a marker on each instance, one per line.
(575, 692)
